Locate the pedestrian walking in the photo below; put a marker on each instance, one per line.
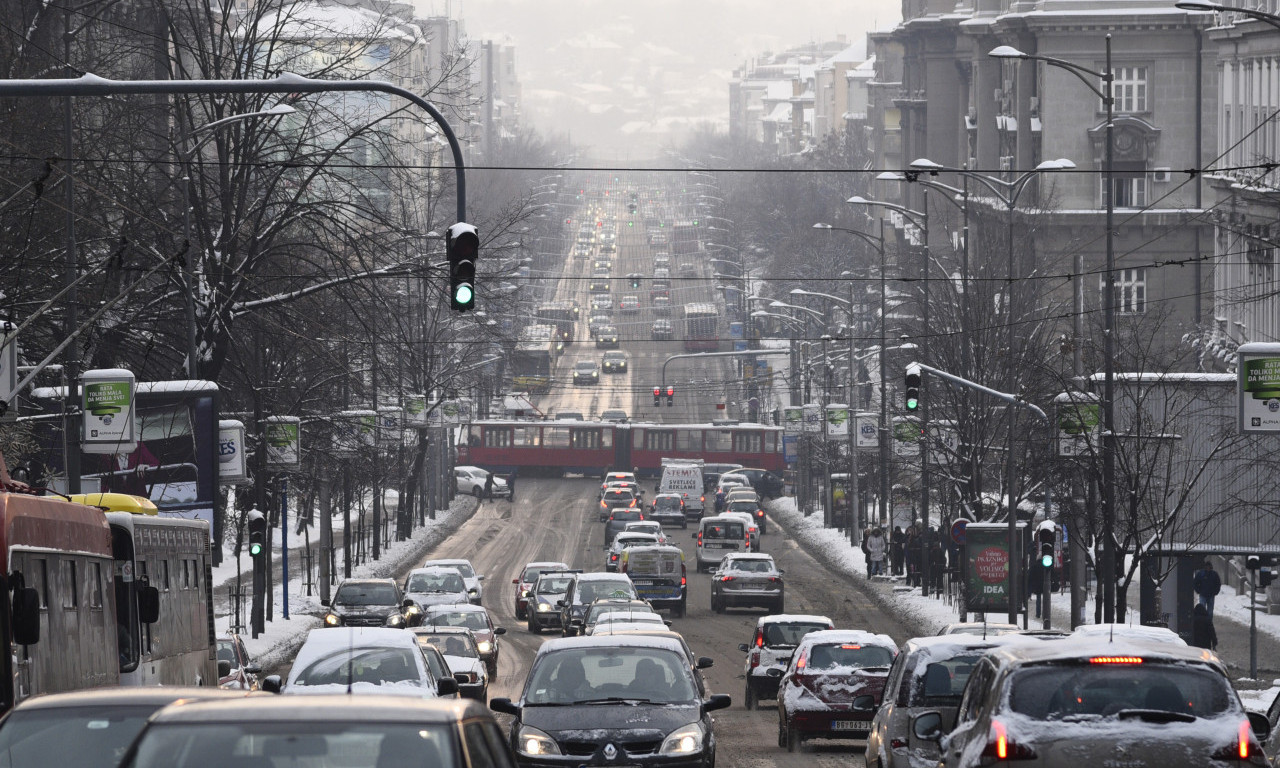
(897, 540)
(511, 486)
(1035, 581)
(937, 560)
(1207, 585)
(912, 551)
(877, 549)
(1203, 635)
(866, 548)
(488, 485)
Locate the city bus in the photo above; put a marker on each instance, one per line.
(701, 326)
(533, 359)
(684, 238)
(561, 314)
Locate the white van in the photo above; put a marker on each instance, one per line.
(684, 478)
(717, 536)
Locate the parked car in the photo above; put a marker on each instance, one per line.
(87, 729)
(622, 541)
(614, 361)
(320, 731)
(366, 603)
(929, 674)
(474, 618)
(239, 673)
(359, 660)
(833, 685)
(471, 481)
(586, 588)
(748, 581)
(545, 598)
(668, 509)
(560, 712)
(462, 655)
(1078, 702)
(524, 583)
(771, 646)
(586, 372)
(474, 581)
(435, 586)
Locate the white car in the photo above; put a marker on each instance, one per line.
(474, 589)
(752, 528)
(471, 480)
(377, 660)
(647, 526)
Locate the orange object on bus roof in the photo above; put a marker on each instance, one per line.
(117, 502)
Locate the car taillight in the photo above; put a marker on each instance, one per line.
(759, 638)
(759, 513)
(726, 578)
(1245, 749)
(1001, 747)
(603, 505)
(773, 579)
(802, 661)
(898, 743)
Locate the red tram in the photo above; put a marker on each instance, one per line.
(590, 448)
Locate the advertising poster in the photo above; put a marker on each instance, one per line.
(792, 420)
(232, 467)
(1259, 387)
(283, 435)
(868, 431)
(108, 403)
(1078, 418)
(990, 573)
(837, 421)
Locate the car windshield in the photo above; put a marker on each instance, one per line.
(618, 495)
(226, 652)
(669, 502)
(435, 582)
(1096, 691)
(743, 506)
(452, 644)
(463, 568)
(594, 590)
(253, 742)
(941, 683)
(789, 633)
(556, 586)
(601, 674)
(86, 737)
(723, 531)
(378, 666)
(530, 574)
(596, 611)
(837, 655)
(468, 619)
(751, 566)
(365, 594)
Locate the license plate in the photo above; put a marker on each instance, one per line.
(716, 545)
(642, 582)
(850, 725)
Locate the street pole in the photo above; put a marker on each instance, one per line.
(925, 572)
(1108, 386)
(884, 432)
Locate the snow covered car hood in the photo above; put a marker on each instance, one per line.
(596, 722)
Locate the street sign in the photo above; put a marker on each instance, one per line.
(957, 530)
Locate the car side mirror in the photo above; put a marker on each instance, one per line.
(324, 601)
(717, 701)
(271, 684)
(667, 622)
(773, 672)
(480, 577)
(694, 535)
(505, 706)
(782, 573)
(1261, 725)
(864, 703)
(705, 662)
(253, 669)
(224, 667)
(744, 647)
(927, 726)
(499, 630)
(559, 603)
(407, 604)
(446, 686)
(515, 581)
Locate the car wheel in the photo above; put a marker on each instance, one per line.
(521, 615)
(749, 698)
(794, 742)
(534, 627)
(475, 491)
(782, 733)
(778, 607)
(682, 608)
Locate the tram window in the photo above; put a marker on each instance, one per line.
(70, 587)
(659, 440)
(497, 437)
(555, 437)
(525, 436)
(164, 575)
(95, 586)
(186, 574)
(40, 571)
(719, 440)
(689, 440)
(747, 442)
(586, 438)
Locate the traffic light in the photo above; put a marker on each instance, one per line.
(671, 395)
(463, 248)
(913, 388)
(257, 535)
(635, 281)
(1046, 537)
(657, 396)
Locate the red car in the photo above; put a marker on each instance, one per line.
(833, 685)
(524, 583)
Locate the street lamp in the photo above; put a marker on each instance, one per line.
(188, 265)
(1087, 76)
(1263, 16)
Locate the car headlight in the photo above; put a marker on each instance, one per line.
(473, 590)
(683, 741)
(531, 741)
(395, 620)
(332, 620)
(524, 593)
(484, 646)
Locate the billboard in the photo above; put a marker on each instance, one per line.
(992, 573)
(1258, 368)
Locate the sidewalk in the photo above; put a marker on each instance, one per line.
(283, 636)
(1231, 611)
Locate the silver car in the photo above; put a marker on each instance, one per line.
(747, 580)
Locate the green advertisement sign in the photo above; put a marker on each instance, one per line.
(1259, 387)
(284, 444)
(107, 402)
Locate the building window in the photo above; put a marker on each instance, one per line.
(1131, 290)
(1129, 90)
(1260, 256)
(1130, 189)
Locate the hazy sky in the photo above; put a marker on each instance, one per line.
(623, 75)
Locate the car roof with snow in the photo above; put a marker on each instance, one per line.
(859, 636)
(794, 618)
(1082, 648)
(325, 641)
(1153, 634)
(610, 641)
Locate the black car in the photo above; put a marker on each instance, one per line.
(607, 338)
(765, 483)
(367, 603)
(634, 701)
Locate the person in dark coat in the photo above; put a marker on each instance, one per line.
(897, 541)
(1035, 582)
(511, 486)
(488, 485)
(1207, 585)
(913, 548)
(937, 560)
(1203, 635)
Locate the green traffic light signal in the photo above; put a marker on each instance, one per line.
(913, 404)
(255, 548)
(464, 295)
